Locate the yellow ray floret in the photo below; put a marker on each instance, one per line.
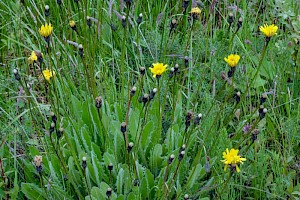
(48, 74)
(269, 30)
(231, 158)
(46, 30)
(158, 69)
(232, 60)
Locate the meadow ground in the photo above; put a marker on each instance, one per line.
(135, 99)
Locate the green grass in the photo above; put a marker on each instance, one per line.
(110, 68)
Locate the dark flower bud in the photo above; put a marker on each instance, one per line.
(123, 127)
(38, 163)
(240, 23)
(188, 118)
(186, 61)
(197, 119)
(83, 164)
(171, 158)
(263, 98)
(132, 91)
(98, 102)
(123, 21)
(182, 148)
(110, 167)
(88, 21)
(17, 75)
(176, 68)
(52, 127)
(47, 11)
(152, 94)
(80, 49)
(113, 27)
(238, 97)
(230, 18)
(130, 146)
(136, 182)
(173, 24)
(140, 18)
(186, 197)
(145, 98)
(181, 155)
(128, 3)
(172, 71)
(261, 108)
(39, 56)
(59, 2)
(108, 192)
(60, 132)
(263, 113)
(53, 117)
(142, 71)
(185, 5)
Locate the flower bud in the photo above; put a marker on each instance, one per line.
(47, 11)
(123, 127)
(140, 18)
(130, 146)
(181, 155)
(80, 49)
(108, 192)
(110, 167)
(60, 132)
(186, 197)
(152, 93)
(88, 21)
(17, 75)
(142, 71)
(230, 18)
(171, 158)
(83, 164)
(123, 21)
(98, 102)
(132, 91)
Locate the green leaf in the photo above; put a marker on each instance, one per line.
(199, 171)
(31, 191)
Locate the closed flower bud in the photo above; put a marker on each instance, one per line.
(47, 11)
(197, 119)
(263, 113)
(128, 3)
(188, 118)
(173, 24)
(145, 98)
(83, 164)
(60, 132)
(182, 148)
(171, 158)
(73, 25)
(39, 56)
(172, 70)
(263, 98)
(142, 71)
(140, 18)
(176, 68)
(186, 61)
(80, 49)
(152, 93)
(110, 167)
(185, 5)
(230, 18)
(53, 117)
(59, 2)
(240, 23)
(17, 75)
(98, 102)
(38, 163)
(108, 192)
(132, 91)
(52, 127)
(88, 21)
(181, 155)
(123, 127)
(261, 108)
(130, 146)
(186, 197)
(123, 21)
(238, 97)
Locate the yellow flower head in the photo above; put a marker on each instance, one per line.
(158, 69)
(196, 11)
(231, 158)
(48, 74)
(46, 30)
(32, 58)
(72, 23)
(232, 60)
(38, 160)
(269, 30)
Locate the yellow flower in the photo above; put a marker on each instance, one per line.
(46, 30)
(196, 11)
(232, 159)
(48, 74)
(269, 30)
(158, 69)
(72, 23)
(32, 58)
(232, 60)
